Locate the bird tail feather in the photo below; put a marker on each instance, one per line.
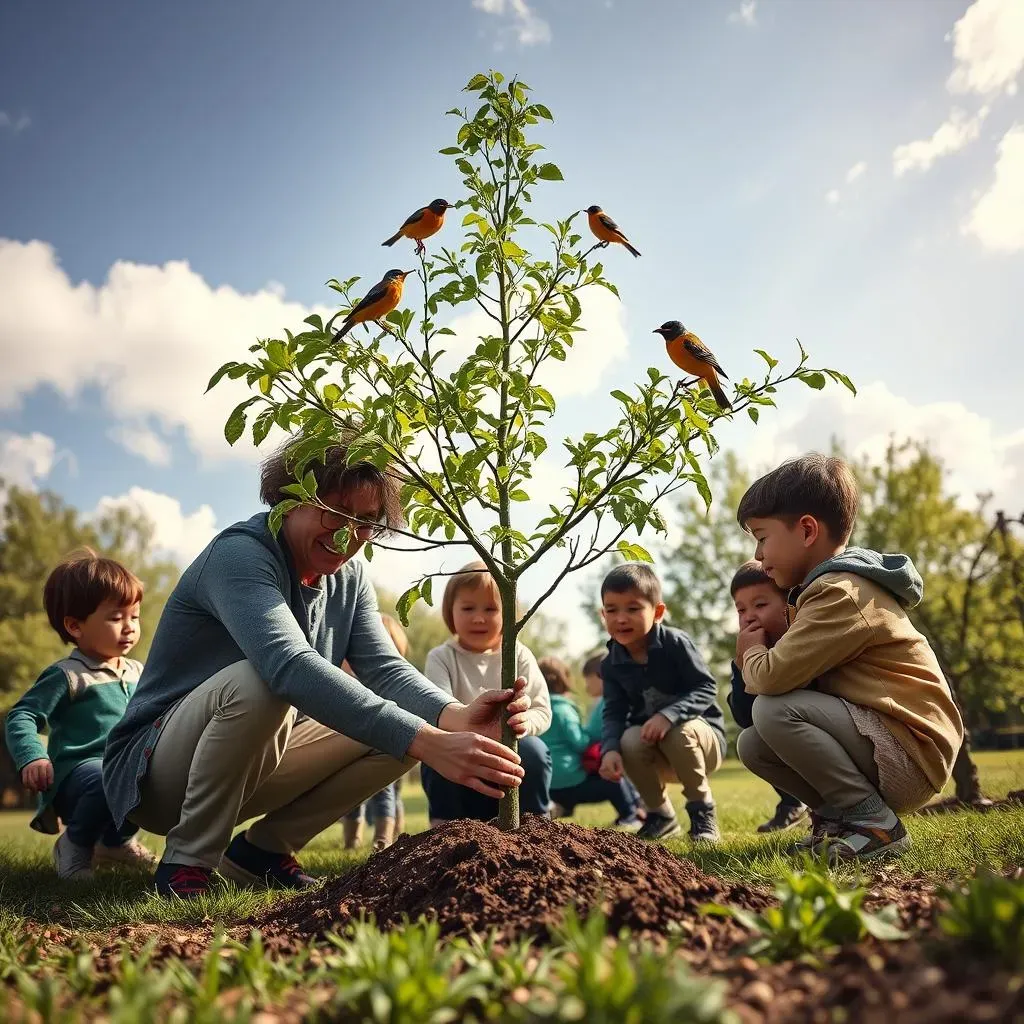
(635, 251)
(345, 328)
(716, 390)
(394, 238)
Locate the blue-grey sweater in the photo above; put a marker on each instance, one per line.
(674, 682)
(241, 599)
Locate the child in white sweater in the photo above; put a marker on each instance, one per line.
(466, 665)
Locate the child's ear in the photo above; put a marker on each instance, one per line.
(72, 627)
(659, 611)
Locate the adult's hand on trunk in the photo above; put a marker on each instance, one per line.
(472, 760)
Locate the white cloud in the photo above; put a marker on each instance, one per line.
(988, 48)
(950, 137)
(746, 15)
(832, 196)
(143, 442)
(528, 28)
(26, 459)
(177, 535)
(153, 334)
(977, 456)
(997, 219)
(856, 171)
(10, 123)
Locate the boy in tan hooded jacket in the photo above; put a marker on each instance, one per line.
(853, 714)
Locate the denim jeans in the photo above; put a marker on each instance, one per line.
(381, 805)
(449, 800)
(82, 806)
(595, 790)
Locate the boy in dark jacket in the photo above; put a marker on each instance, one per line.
(662, 721)
(759, 601)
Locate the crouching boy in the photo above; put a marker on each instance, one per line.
(662, 722)
(853, 714)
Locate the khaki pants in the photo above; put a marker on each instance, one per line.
(689, 753)
(805, 743)
(230, 751)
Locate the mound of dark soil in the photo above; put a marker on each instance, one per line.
(472, 877)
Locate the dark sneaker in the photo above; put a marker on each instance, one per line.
(703, 823)
(248, 865)
(856, 841)
(659, 826)
(183, 880)
(821, 828)
(786, 816)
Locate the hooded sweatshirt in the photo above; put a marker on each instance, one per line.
(850, 636)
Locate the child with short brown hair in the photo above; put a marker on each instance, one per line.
(853, 714)
(465, 666)
(93, 603)
(758, 600)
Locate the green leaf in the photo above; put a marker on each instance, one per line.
(278, 512)
(511, 250)
(813, 379)
(541, 111)
(752, 412)
(314, 320)
(549, 172)
(368, 551)
(221, 373)
(235, 425)
(476, 83)
(841, 378)
(633, 552)
(519, 495)
(405, 602)
(772, 363)
(427, 590)
(450, 151)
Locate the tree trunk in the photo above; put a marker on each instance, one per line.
(508, 806)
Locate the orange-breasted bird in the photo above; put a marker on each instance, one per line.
(426, 221)
(691, 355)
(607, 230)
(383, 297)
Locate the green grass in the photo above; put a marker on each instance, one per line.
(945, 846)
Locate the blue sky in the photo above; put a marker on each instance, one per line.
(844, 172)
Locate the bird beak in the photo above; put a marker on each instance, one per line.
(406, 273)
(657, 330)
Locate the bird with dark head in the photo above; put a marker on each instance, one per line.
(383, 297)
(606, 230)
(426, 221)
(692, 356)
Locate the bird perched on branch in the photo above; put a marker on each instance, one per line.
(691, 355)
(426, 221)
(607, 230)
(383, 297)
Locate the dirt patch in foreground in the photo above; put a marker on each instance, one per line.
(472, 877)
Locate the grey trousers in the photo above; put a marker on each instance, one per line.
(231, 751)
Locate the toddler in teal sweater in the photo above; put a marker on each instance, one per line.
(93, 603)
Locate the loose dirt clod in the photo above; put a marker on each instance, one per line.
(471, 876)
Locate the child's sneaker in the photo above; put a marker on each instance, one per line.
(703, 823)
(186, 881)
(248, 865)
(786, 816)
(659, 826)
(822, 826)
(855, 841)
(131, 854)
(631, 823)
(72, 861)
